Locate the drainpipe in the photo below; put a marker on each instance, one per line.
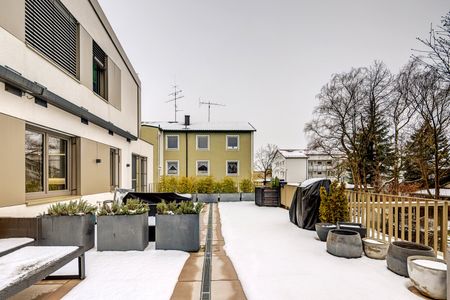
(187, 155)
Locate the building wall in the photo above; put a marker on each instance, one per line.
(296, 169)
(152, 136)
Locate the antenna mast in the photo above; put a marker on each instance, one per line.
(176, 95)
(209, 103)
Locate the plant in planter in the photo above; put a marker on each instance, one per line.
(247, 190)
(178, 226)
(229, 190)
(207, 189)
(69, 224)
(122, 227)
(333, 208)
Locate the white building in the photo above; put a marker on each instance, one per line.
(70, 107)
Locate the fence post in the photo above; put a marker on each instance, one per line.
(444, 229)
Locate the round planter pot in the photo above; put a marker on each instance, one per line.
(361, 229)
(398, 253)
(322, 230)
(429, 275)
(344, 243)
(375, 249)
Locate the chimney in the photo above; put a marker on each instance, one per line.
(187, 120)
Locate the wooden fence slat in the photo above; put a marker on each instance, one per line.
(410, 221)
(444, 228)
(402, 235)
(425, 225)
(396, 218)
(384, 216)
(417, 221)
(435, 226)
(391, 219)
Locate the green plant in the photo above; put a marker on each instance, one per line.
(275, 183)
(182, 208)
(246, 186)
(186, 185)
(168, 184)
(71, 208)
(206, 185)
(333, 205)
(228, 185)
(132, 207)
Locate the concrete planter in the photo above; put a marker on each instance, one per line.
(178, 232)
(344, 243)
(429, 275)
(358, 227)
(122, 232)
(207, 198)
(375, 249)
(322, 230)
(230, 197)
(248, 196)
(68, 231)
(398, 253)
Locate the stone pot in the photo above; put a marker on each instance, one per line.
(68, 231)
(178, 232)
(429, 275)
(208, 198)
(361, 229)
(122, 232)
(398, 253)
(375, 249)
(344, 243)
(322, 230)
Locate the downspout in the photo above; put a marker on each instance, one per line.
(187, 150)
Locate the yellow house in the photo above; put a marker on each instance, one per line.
(217, 149)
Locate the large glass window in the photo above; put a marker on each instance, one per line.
(232, 167)
(172, 167)
(99, 69)
(202, 142)
(172, 142)
(46, 163)
(202, 167)
(139, 173)
(232, 142)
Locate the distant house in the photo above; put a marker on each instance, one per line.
(198, 149)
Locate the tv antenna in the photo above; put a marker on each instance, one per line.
(209, 103)
(176, 95)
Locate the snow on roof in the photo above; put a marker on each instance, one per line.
(442, 192)
(292, 153)
(201, 126)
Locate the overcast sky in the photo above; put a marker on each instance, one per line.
(265, 60)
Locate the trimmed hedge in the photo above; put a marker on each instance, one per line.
(204, 185)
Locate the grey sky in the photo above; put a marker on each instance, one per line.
(266, 60)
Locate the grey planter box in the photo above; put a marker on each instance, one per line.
(230, 197)
(68, 231)
(122, 233)
(207, 198)
(248, 196)
(178, 232)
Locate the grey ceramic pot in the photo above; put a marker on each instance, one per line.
(344, 243)
(398, 253)
(429, 275)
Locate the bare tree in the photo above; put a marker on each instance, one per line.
(264, 158)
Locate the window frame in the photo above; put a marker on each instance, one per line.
(114, 168)
(102, 72)
(46, 193)
(196, 142)
(238, 142)
(196, 167)
(226, 167)
(139, 182)
(167, 167)
(167, 142)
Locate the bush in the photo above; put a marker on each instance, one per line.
(72, 208)
(333, 205)
(227, 185)
(246, 186)
(183, 208)
(132, 207)
(206, 185)
(186, 185)
(275, 183)
(168, 184)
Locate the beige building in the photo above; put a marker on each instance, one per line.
(69, 105)
(201, 149)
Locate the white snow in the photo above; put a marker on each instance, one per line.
(370, 241)
(149, 274)
(275, 259)
(24, 261)
(10, 243)
(431, 264)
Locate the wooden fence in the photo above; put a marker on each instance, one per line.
(390, 217)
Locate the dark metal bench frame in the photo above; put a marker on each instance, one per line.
(44, 273)
(2, 253)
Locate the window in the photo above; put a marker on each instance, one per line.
(172, 167)
(202, 142)
(202, 167)
(114, 157)
(99, 71)
(232, 142)
(139, 173)
(329, 163)
(319, 163)
(232, 167)
(52, 30)
(46, 163)
(172, 142)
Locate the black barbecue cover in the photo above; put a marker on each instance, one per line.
(304, 210)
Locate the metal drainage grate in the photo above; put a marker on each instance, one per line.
(206, 274)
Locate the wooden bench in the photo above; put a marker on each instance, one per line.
(24, 267)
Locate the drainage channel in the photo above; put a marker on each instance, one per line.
(205, 293)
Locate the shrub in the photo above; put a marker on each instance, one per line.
(168, 184)
(228, 185)
(275, 183)
(186, 185)
(333, 205)
(132, 207)
(206, 185)
(183, 208)
(72, 208)
(246, 186)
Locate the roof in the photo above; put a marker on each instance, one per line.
(201, 126)
(292, 153)
(444, 193)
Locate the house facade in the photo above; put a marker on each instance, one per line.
(69, 105)
(201, 149)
